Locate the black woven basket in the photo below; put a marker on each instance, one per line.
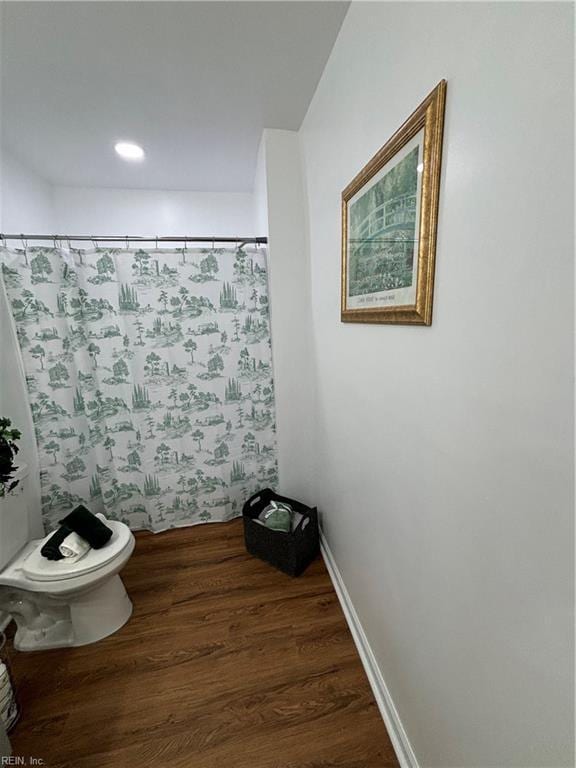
(290, 552)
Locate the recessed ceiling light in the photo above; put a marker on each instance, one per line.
(129, 151)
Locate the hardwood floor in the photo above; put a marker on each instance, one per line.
(225, 663)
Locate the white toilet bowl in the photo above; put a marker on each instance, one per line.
(57, 604)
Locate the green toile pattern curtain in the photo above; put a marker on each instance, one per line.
(149, 374)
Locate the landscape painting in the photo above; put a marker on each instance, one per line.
(382, 236)
(389, 223)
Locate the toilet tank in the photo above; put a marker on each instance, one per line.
(14, 518)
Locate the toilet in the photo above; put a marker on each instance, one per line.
(54, 603)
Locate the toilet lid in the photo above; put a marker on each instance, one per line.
(39, 568)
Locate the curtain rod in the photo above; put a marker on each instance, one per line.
(139, 238)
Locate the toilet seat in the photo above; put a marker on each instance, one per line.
(38, 568)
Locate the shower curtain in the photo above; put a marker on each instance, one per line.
(149, 374)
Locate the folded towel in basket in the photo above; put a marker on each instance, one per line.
(277, 516)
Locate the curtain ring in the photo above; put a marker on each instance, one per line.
(94, 243)
(4, 241)
(213, 243)
(24, 243)
(55, 239)
(156, 242)
(127, 243)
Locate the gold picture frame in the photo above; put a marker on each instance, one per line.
(389, 224)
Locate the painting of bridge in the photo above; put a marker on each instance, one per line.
(389, 223)
(382, 234)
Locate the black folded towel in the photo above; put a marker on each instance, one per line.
(87, 525)
(51, 548)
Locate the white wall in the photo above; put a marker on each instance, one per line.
(260, 190)
(444, 455)
(280, 213)
(26, 206)
(93, 210)
(27, 199)
(15, 406)
(31, 204)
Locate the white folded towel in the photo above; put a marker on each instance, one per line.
(75, 547)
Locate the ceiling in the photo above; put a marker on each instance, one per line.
(194, 83)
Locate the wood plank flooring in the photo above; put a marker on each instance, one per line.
(225, 663)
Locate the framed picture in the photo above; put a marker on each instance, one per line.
(389, 222)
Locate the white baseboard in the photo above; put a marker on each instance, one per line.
(398, 737)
